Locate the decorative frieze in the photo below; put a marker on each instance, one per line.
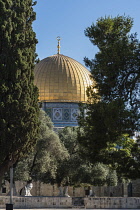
(62, 114)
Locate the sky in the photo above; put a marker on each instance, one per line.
(69, 18)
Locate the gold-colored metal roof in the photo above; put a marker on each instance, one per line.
(61, 79)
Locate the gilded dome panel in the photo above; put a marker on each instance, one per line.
(61, 79)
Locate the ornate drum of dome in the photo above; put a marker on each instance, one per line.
(62, 84)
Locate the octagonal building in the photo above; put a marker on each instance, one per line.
(62, 84)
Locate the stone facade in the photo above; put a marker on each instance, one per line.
(136, 188)
(41, 189)
(112, 203)
(72, 202)
(46, 196)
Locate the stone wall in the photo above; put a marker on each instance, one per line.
(136, 188)
(112, 203)
(64, 202)
(36, 202)
(41, 189)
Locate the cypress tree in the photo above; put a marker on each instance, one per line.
(18, 95)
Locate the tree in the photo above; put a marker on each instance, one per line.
(72, 170)
(68, 168)
(102, 174)
(18, 95)
(116, 65)
(112, 109)
(41, 164)
(59, 162)
(75, 170)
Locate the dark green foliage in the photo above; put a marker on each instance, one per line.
(41, 164)
(112, 178)
(78, 171)
(116, 65)
(68, 168)
(100, 174)
(113, 109)
(18, 95)
(55, 161)
(104, 123)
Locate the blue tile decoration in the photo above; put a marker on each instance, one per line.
(74, 114)
(62, 114)
(66, 114)
(49, 112)
(57, 113)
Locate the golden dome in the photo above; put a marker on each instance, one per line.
(61, 79)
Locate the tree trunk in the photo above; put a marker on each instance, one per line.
(61, 191)
(4, 167)
(66, 191)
